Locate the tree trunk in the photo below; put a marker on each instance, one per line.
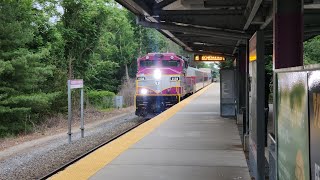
(70, 67)
(140, 42)
(127, 73)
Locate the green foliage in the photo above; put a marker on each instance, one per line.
(23, 75)
(101, 99)
(312, 51)
(43, 43)
(203, 65)
(82, 23)
(227, 64)
(102, 76)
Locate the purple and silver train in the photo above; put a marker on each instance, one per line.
(164, 79)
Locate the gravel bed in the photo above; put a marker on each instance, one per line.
(40, 160)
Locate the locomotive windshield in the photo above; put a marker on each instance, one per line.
(171, 63)
(147, 63)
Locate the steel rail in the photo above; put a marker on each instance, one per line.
(64, 166)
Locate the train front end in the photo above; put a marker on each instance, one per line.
(159, 83)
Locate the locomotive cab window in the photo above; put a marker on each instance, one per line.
(186, 64)
(171, 63)
(147, 63)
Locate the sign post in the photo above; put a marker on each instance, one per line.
(81, 114)
(69, 112)
(75, 84)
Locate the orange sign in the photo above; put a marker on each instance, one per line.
(209, 58)
(253, 48)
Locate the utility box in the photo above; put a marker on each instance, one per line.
(227, 93)
(118, 101)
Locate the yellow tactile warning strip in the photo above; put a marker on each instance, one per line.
(89, 165)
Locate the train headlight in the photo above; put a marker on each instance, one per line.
(157, 74)
(144, 91)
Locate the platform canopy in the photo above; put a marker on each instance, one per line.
(215, 26)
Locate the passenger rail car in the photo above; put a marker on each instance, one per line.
(164, 79)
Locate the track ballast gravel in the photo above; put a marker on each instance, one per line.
(39, 161)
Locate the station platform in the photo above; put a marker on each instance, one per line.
(189, 141)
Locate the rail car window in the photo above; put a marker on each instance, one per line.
(147, 63)
(171, 63)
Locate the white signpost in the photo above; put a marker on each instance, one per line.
(75, 84)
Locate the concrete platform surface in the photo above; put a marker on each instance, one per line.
(194, 144)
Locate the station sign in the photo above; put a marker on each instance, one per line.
(76, 83)
(253, 48)
(200, 57)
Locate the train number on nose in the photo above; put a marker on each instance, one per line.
(174, 78)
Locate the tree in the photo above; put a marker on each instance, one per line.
(227, 64)
(82, 24)
(202, 65)
(312, 51)
(22, 71)
(45, 42)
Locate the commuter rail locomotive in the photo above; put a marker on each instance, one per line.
(164, 79)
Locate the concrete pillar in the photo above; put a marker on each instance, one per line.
(237, 86)
(246, 126)
(287, 33)
(260, 112)
(257, 114)
(242, 76)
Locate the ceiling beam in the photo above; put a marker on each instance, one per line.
(268, 19)
(138, 11)
(207, 40)
(212, 53)
(163, 4)
(193, 30)
(191, 43)
(198, 12)
(213, 48)
(143, 4)
(252, 13)
(207, 21)
(133, 7)
(176, 40)
(225, 4)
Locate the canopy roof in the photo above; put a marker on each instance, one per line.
(215, 26)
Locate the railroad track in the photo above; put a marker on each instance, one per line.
(61, 168)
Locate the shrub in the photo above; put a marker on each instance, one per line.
(127, 90)
(101, 99)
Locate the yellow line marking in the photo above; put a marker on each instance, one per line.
(91, 164)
